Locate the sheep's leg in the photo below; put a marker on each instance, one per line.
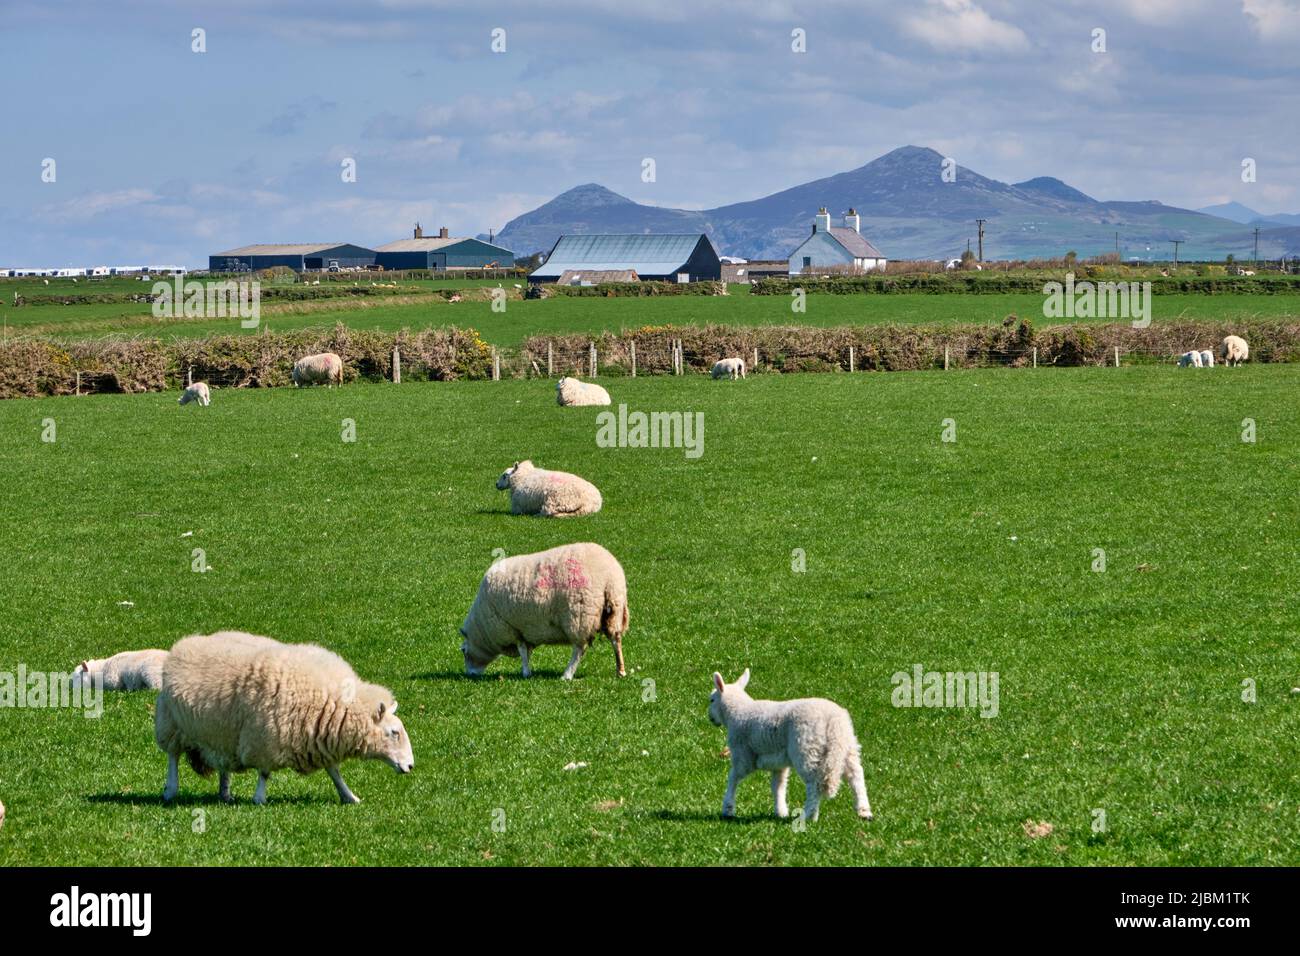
(733, 779)
(173, 777)
(572, 669)
(345, 795)
(779, 780)
(860, 800)
(260, 796)
(812, 802)
(523, 659)
(225, 789)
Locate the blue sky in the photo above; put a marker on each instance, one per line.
(165, 155)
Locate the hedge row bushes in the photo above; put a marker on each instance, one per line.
(629, 289)
(981, 283)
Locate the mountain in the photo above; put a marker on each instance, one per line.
(1248, 217)
(909, 210)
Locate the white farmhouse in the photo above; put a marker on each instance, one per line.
(841, 248)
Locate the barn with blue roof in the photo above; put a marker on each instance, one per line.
(666, 258)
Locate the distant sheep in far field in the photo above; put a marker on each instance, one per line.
(571, 391)
(1233, 350)
(730, 367)
(198, 392)
(1189, 358)
(325, 368)
(1207, 358)
(551, 494)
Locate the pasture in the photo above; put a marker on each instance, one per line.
(1120, 690)
(562, 315)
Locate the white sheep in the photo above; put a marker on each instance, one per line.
(813, 735)
(571, 391)
(551, 494)
(323, 368)
(567, 595)
(1207, 358)
(130, 670)
(731, 367)
(1233, 350)
(1189, 358)
(198, 392)
(232, 701)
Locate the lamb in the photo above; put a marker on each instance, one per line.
(813, 735)
(732, 367)
(1189, 358)
(551, 494)
(324, 368)
(130, 670)
(566, 595)
(570, 391)
(198, 392)
(1207, 358)
(232, 701)
(1233, 350)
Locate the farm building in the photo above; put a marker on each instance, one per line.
(842, 248)
(300, 257)
(596, 276)
(745, 272)
(668, 258)
(442, 252)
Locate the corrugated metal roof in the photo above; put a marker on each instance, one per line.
(427, 244)
(596, 276)
(856, 243)
(282, 249)
(646, 254)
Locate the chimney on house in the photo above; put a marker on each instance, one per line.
(822, 220)
(442, 233)
(853, 220)
(419, 233)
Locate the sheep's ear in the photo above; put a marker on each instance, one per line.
(743, 679)
(83, 666)
(717, 681)
(393, 709)
(380, 711)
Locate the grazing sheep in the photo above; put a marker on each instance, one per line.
(566, 595)
(1233, 350)
(324, 368)
(813, 735)
(731, 367)
(1189, 358)
(130, 670)
(551, 494)
(232, 701)
(570, 391)
(198, 392)
(1207, 358)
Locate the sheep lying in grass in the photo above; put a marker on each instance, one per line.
(813, 735)
(325, 368)
(567, 595)
(198, 392)
(1233, 350)
(570, 391)
(232, 701)
(551, 494)
(130, 670)
(1189, 358)
(1207, 358)
(730, 367)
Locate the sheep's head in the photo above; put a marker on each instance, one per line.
(504, 481)
(392, 745)
(723, 693)
(476, 661)
(84, 675)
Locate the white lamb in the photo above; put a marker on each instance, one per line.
(731, 367)
(551, 494)
(813, 735)
(1233, 350)
(198, 392)
(1207, 358)
(570, 391)
(1189, 358)
(323, 368)
(567, 595)
(232, 701)
(130, 670)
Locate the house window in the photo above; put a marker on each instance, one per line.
(807, 262)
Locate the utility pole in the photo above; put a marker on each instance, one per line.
(1177, 243)
(1117, 243)
(1257, 247)
(980, 223)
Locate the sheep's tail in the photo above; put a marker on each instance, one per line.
(837, 758)
(614, 616)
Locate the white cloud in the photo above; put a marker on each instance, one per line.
(960, 25)
(1273, 20)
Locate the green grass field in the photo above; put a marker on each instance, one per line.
(569, 314)
(1120, 691)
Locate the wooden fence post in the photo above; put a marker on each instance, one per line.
(945, 358)
(633, 347)
(1035, 356)
(592, 373)
(496, 365)
(852, 364)
(1117, 356)
(78, 381)
(549, 360)
(397, 366)
(189, 376)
